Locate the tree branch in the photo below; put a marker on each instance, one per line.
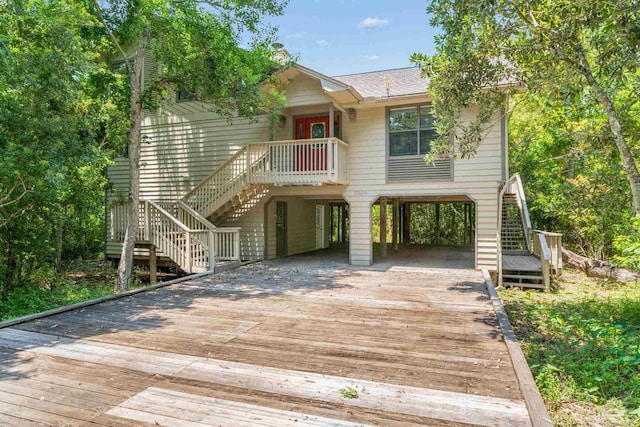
(112, 36)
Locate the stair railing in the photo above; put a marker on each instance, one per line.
(225, 240)
(515, 187)
(193, 249)
(221, 186)
(501, 190)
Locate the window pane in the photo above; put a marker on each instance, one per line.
(317, 130)
(403, 143)
(426, 118)
(426, 136)
(403, 119)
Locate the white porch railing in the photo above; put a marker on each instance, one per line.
(179, 233)
(296, 162)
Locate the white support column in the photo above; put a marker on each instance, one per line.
(147, 221)
(330, 165)
(360, 244)
(237, 245)
(332, 131)
(188, 265)
(212, 251)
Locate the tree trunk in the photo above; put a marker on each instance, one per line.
(595, 268)
(616, 129)
(126, 258)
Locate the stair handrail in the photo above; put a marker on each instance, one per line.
(502, 189)
(196, 215)
(515, 186)
(212, 174)
(167, 215)
(193, 246)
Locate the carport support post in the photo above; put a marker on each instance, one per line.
(343, 222)
(396, 212)
(437, 223)
(383, 226)
(406, 222)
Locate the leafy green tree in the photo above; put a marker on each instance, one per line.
(52, 153)
(197, 45)
(575, 182)
(584, 51)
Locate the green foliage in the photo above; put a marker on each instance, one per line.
(579, 63)
(628, 247)
(583, 345)
(48, 290)
(52, 138)
(349, 392)
(423, 228)
(572, 174)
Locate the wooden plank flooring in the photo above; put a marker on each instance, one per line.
(521, 263)
(271, 344)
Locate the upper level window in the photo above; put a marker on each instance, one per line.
(411, 130)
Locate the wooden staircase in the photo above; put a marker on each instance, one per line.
(184, 230)
(525, 259)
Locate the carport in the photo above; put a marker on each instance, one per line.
(427, 230)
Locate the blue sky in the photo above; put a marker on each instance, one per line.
(338, 37)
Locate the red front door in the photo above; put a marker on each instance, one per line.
(310, 156)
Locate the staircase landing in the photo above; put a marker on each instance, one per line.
(521, 263)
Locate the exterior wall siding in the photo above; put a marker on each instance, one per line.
(301, 232)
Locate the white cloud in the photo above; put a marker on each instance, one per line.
(298, 35)
(371, 57)
(322, 42)
(369, 23)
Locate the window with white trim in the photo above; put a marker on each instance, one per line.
(411, 130)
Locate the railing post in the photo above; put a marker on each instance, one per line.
(330, 144)
(188, 252)
(212, 252)
(236, 248)
(147, 221)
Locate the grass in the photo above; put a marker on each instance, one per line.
(80, 281)
(582, 342)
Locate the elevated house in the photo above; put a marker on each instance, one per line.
(214, 190)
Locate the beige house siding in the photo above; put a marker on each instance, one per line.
(177, 156)
(305, 91)
(301, 232)
(118, 189)
(250, 219)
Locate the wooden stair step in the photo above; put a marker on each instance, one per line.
(521, 276)
(524, 285)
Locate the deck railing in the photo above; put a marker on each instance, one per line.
(541, 250)
(299, 162)
(180, 233)
(554, 243)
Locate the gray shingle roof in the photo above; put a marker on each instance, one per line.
(403, 81)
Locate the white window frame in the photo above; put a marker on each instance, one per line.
(418, 108)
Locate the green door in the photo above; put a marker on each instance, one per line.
(281, 229)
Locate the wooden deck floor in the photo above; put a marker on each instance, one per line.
(279, 343)
(521, 263)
